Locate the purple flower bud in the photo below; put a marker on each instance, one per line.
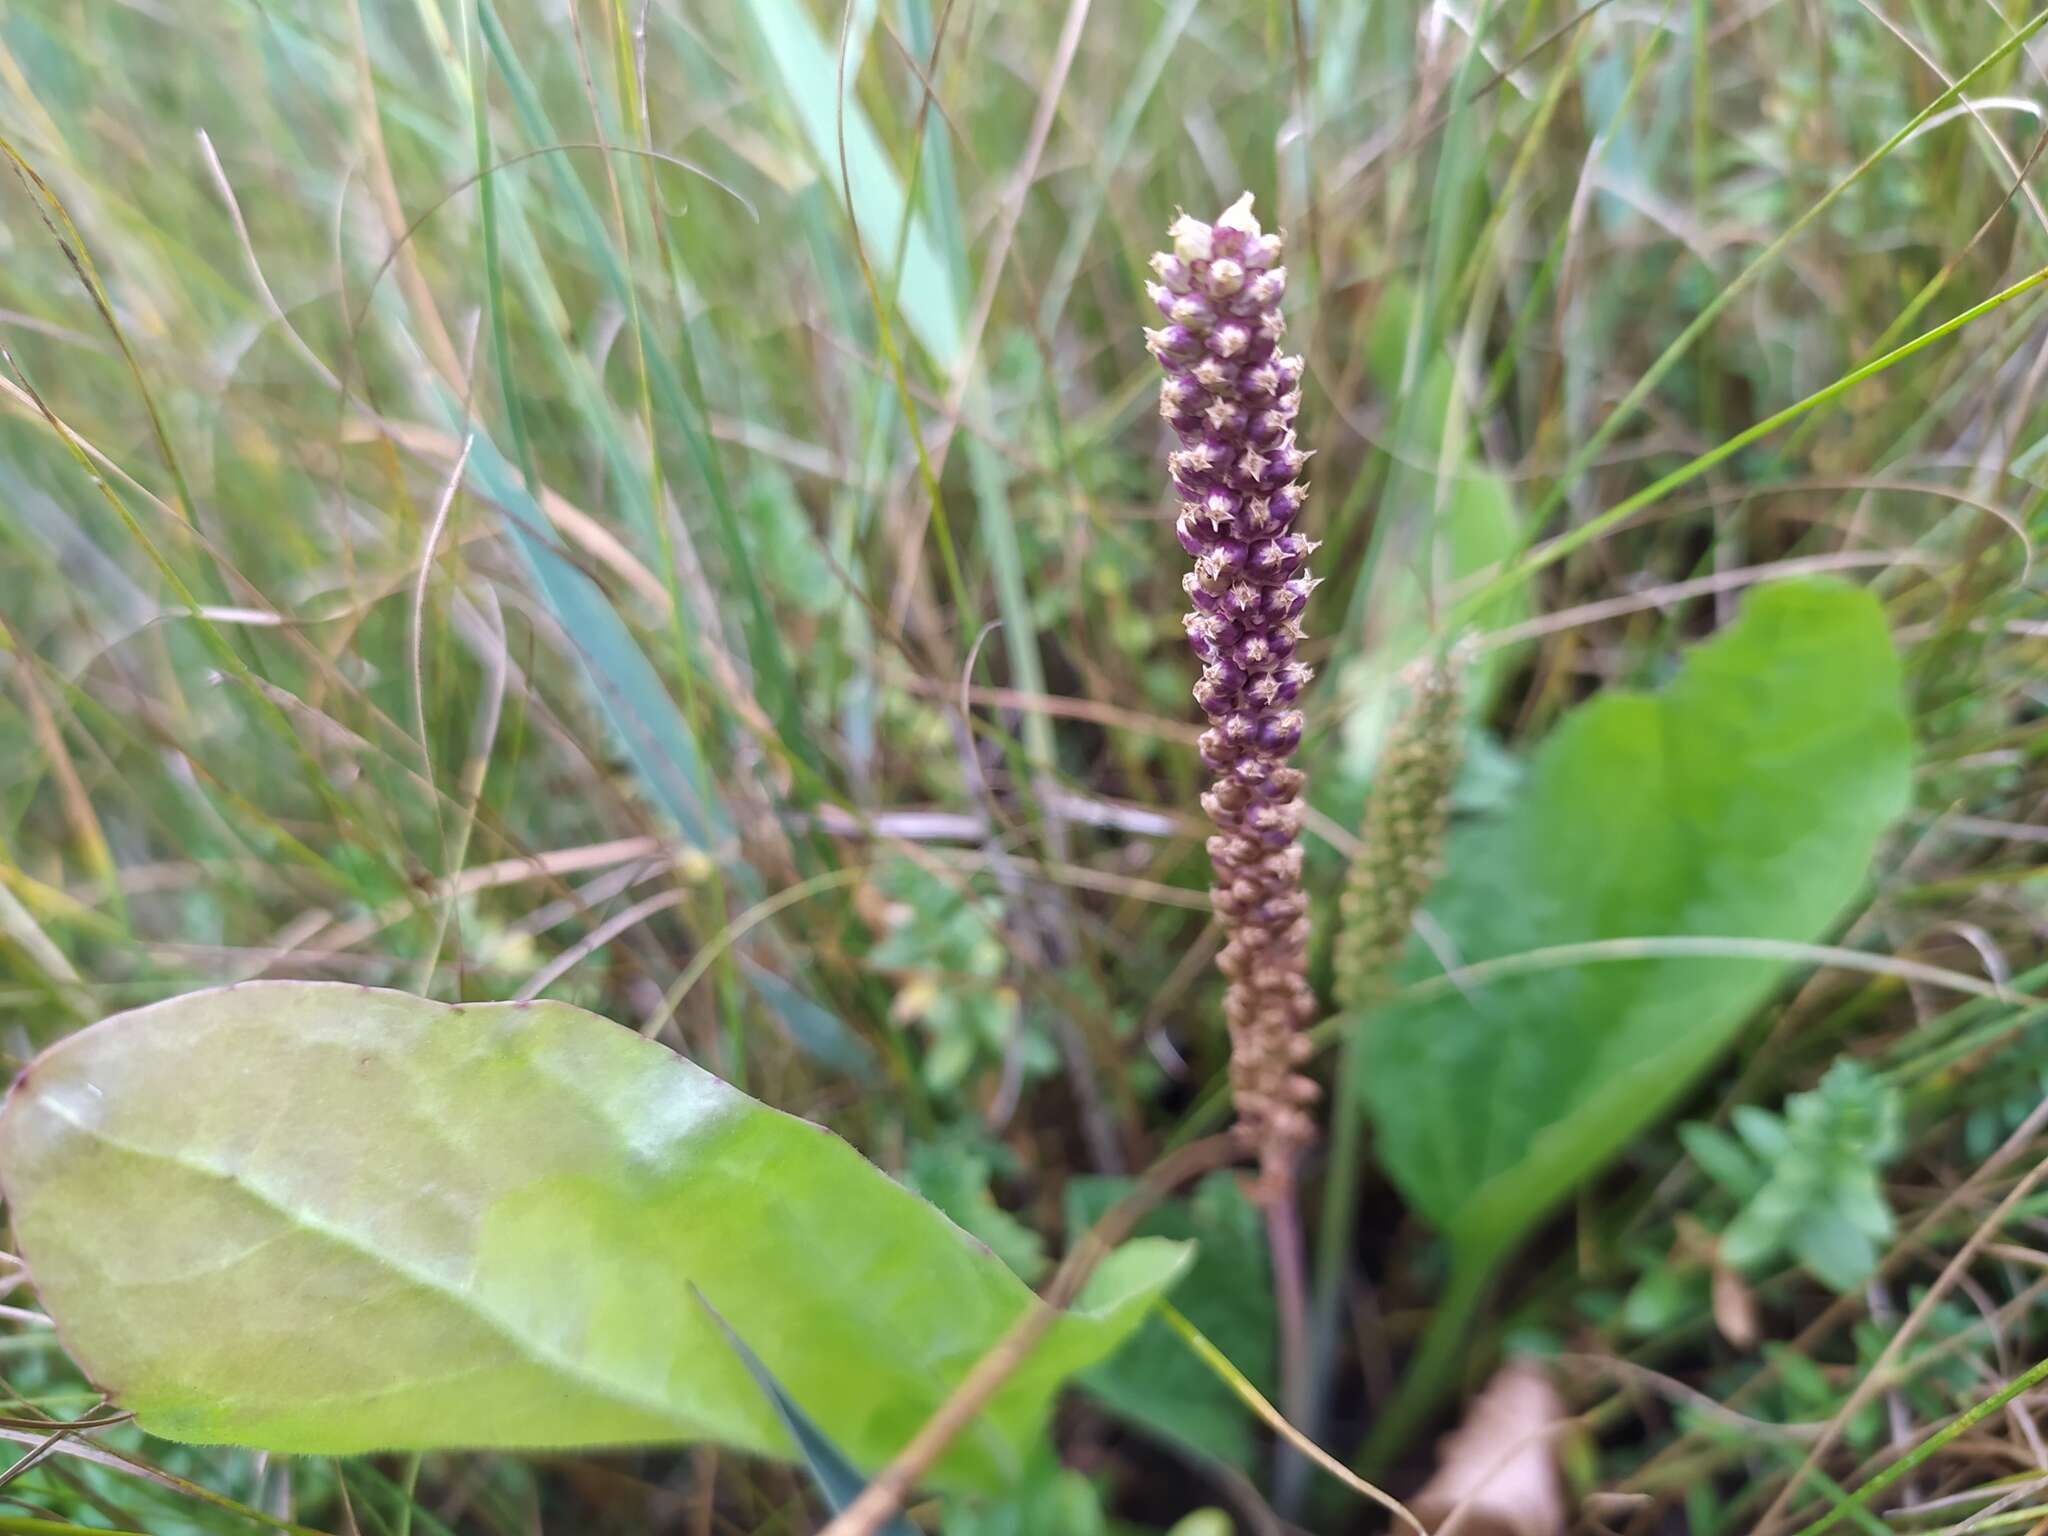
(1268, 561)
(1191, 537)
(1218, 566)
(1280, 558)
(1242, 603)
(1249, 469)
(1174, 344)
(1280, 734)
(1226, 276)
(1265, 428)
(1287, 600)
(1171, 271)
(1225, 417)
(1283, 464)
(1254, 652)
(1206, 601)
(1193, 310)
(1298, 546)
(1230, 338)
(1215, 699)
(1209, 634)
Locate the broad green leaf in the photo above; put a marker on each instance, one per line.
(1228, 1294)
(320, 1218)
(1744, 800)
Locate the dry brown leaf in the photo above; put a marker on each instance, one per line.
(1734, 1308)
(1497, 1472)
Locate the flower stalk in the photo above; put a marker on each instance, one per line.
(1230, 397)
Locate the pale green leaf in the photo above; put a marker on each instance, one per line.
(1744, 800)
(1721, 1158)
(320, 1218)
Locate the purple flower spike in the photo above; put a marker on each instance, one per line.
(1231, 398)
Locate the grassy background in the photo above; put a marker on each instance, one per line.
(477, 515)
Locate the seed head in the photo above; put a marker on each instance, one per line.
(1401, 837)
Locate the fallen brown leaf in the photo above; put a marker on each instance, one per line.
(1497, 1472)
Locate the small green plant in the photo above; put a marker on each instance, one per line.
(944, 950)
(1808, 1180)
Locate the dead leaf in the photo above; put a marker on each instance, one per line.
(1497, 1472)
(1734, 1307)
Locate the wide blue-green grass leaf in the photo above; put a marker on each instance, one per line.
(673, 384)
(813, 1028)
(316, 1218)
(837, 1479)
(808, 70)
(1459, 520)
(650, 728)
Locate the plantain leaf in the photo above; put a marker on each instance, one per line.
(309, 1217)
(1745, 800)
